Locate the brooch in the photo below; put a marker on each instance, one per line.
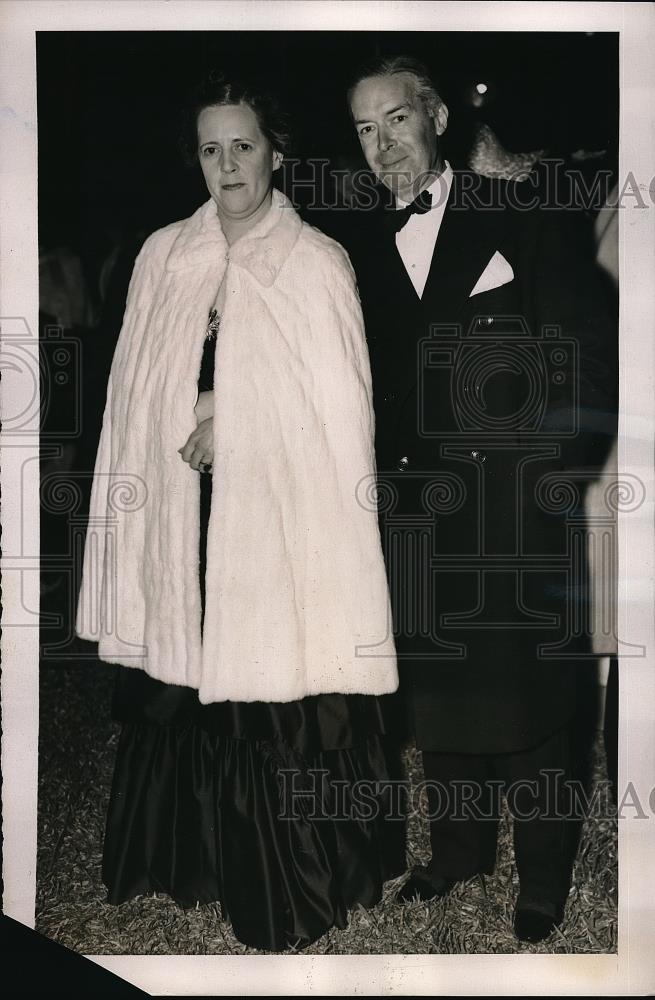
(212, 325)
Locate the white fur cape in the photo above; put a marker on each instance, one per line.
(296, 593)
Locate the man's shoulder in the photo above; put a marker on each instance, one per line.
(490, 197)
(344, 225)
(360, 231)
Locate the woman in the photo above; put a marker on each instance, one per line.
(247, 608)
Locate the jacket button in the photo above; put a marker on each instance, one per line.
(479, 456)
(402, 463)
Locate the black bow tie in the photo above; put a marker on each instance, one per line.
(397, 217)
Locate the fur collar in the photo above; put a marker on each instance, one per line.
(263, 251)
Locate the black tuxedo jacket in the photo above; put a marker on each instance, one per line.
(493, 412)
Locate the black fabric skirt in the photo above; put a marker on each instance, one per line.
(287, 814)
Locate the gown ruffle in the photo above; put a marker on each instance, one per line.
(287, 814)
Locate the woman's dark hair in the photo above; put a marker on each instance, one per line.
(216, 90)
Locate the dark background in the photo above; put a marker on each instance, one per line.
(109, 121)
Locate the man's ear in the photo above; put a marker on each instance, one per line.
(440, 114)
(277, 159)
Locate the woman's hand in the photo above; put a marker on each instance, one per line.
(199, 449)
(204, 406)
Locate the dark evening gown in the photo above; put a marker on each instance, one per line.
(252, 804)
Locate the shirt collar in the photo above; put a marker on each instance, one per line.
(439, 188)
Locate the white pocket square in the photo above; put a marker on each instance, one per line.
(497, 272)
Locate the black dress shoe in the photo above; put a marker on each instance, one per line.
(419, 885)
(534, 921)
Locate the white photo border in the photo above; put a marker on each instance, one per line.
(632, 970)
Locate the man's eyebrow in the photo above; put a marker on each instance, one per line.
(392, 111)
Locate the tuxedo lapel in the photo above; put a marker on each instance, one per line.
(397, 312)
(467, 240)
(395, 268)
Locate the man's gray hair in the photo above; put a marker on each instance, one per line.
(425, 87)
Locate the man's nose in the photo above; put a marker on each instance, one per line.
(385, 139)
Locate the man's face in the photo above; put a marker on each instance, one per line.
(398, 135)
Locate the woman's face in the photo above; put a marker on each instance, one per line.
(237, 159)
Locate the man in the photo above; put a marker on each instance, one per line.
(486, 338)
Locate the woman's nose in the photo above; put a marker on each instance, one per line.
(227, 163)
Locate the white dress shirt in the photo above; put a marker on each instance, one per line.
(416, 240)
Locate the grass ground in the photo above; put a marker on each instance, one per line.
(77, 745)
